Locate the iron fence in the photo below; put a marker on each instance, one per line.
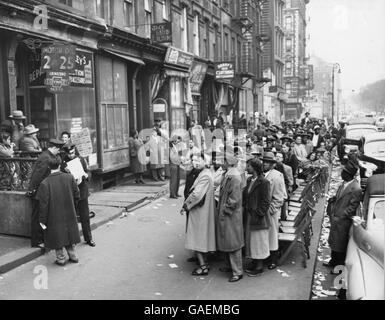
(15, 172)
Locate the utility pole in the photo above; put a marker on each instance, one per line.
(336, 65)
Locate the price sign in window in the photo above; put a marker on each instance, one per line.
(57, 60)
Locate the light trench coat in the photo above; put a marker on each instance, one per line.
(277, 197)
(201, 220)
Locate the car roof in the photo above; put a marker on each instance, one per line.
(361, 126)
(376, 185)
(377, 136)
(361, 121)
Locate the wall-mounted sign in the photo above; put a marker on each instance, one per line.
(178, 57)
(224, 70)
(197, 75)
(161, 32)
(57, 60)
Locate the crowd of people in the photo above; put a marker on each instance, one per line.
(235, 198)
(236, 190)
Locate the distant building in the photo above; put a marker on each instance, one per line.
(272, 58)
(297, 74)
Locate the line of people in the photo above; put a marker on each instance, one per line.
(234, 202)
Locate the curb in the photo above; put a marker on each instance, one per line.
(21, 256)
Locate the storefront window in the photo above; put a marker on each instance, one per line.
(114, 111)
(178, 117)
(76, 111)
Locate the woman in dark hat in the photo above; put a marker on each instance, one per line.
(256, 203)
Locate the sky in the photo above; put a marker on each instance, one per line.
(351, 33)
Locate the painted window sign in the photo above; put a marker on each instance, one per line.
(82, 73)
(57, 60)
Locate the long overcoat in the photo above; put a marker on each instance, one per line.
(230, 236)
(57, 196)
(277, 195)
(157, 148)
(342, 210)
(201, 219)
(137, 155)
(257, 202)
(40, 170)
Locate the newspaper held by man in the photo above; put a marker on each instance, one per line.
(76, 169)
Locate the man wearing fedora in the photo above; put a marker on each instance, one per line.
(229, 225)
(29, 141)
(278, 196)
(40, 171)
(14, 126)
(342, 208)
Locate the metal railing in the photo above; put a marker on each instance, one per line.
(15, 173)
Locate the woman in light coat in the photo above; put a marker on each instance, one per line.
(137, 156)
(199, 204)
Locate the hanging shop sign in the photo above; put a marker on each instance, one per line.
(57, 60)
(224, 70)
(161, 32)
(197, 75)
(178, 57)
(82, 73)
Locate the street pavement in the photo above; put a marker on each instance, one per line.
(141, 255)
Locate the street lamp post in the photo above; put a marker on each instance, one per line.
(336, 65)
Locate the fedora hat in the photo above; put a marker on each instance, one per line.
(17, 115)
(269, 157)
(287, 138)
(350, 168)
(30, 129)
(56, 143)
(69, 146)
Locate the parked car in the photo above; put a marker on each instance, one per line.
(380, 123)
(365, 254)
(371, 156)
(352, 138)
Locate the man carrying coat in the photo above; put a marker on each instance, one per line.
(278, 196)
(343, 207)
(229, 231)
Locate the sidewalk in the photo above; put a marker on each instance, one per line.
(107, 204)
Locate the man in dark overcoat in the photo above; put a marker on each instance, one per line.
(229, 228)
(57, 196)
(82, 208)
(343, 208)
(40, 171)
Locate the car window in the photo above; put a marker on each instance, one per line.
(375, 149)
(379, 210)
(359, 132)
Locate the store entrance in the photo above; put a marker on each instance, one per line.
(32, 97)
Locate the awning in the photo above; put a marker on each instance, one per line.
(176, 73)
(126, 57)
